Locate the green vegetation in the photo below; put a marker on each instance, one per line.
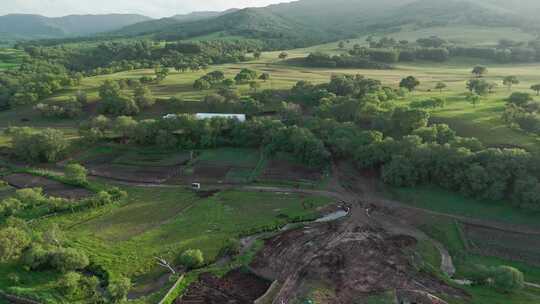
(448, 123)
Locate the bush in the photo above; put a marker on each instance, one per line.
(13, 242)
(520, 99)
(33, 145)
(192, 258)
(76, 174)
(118, 289)
(69, 284)
(508, 279)
(231, 247)
(68, 259)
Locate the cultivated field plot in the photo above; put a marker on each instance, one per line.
(499, 243)
(285, 169)
(50, 187)
(143, 165)
(223, 165)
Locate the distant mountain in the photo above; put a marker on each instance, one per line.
(152, 26)
(310, 21)
(22, 26)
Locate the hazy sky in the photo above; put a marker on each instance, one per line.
(152, 8)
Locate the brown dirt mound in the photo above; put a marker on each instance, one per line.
(236, 287)
(50, 187)
(355, 260)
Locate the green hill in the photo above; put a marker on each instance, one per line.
(22, 26)
(308, 22)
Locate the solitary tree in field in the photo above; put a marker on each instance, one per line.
(283, 55)
(509, 81)
(341, 45)
(473, 98)
(536, 88)
(440, 86)
(257, 54)
(478, 86)
(264, 77)
(410, 83)
(479, 71)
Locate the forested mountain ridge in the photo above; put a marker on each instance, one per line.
(315, 21)
(157, 25)
(25, 26)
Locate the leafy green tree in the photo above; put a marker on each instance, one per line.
(264, 77)
(12, 243)
(119, 289)
(509, 81)
(229, 83)
(520, 99)
(341, 45)
(245, 75)
(69, 284)
(257, 54)
(473, 98)
(202, 84)
(68, 259)
(10, 206)
(478, 86)
(440, 86)
(76, 174)
(33, 145)
(126, 126)
(410, 83)
(508, 279)
(114, 102)
(192, 258)
(30, 197)
(161, 73)
(536, 88)
(479, 71)
(143, 97)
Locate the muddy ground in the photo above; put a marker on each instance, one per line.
(50, 187)
(354, 259)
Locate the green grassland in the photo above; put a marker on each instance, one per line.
(10, 58)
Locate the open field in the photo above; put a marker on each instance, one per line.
(10, 58)
(166, 221)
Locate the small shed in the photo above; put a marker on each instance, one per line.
(239, 117)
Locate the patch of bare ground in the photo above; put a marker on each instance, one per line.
(236, 287)
(356, 258)
(50, 187)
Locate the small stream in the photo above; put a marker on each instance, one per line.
(334, 216)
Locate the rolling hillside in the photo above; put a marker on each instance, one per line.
(22, 26)
(308, 22)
